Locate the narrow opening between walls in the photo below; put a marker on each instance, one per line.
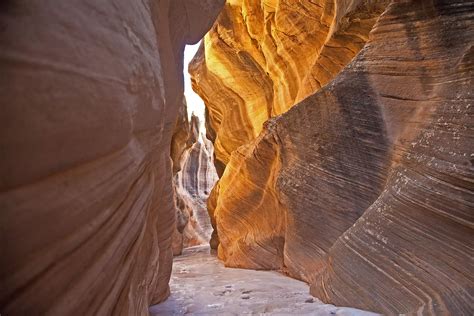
(197, 175)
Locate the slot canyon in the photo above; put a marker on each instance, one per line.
(331, 172)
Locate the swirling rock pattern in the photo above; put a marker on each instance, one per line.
(90, 93)
(417, 235)
(263, 56)
(198, 174)
(365, 188)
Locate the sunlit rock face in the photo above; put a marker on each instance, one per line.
(90, 92)
(262, 57)
(193, 183)
(365, 188)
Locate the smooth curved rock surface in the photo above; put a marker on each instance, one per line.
(90, 92)
(365, 189)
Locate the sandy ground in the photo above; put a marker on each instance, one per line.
(201, 285)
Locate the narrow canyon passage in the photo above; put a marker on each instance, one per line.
(201, 285)
(333, 143)
(300, 158)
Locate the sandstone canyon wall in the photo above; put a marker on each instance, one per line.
(365, 188)
(90, 92)
(195, 176)
(265, 55)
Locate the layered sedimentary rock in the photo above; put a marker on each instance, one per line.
(261, 57)
(89, 93)
(197, 180)
(365, 188)
(193, 183)
(197, 175)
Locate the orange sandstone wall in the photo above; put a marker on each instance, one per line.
(263, 56)
(365, 188)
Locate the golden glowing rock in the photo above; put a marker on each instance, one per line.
(262, 57)
(365, 188)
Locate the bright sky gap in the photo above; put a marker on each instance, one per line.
(195, 103)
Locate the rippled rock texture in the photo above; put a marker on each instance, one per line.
(263, 56)
(365, 188)
(90, 92)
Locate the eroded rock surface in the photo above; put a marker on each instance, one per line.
(261, 57)
(90, 93)
(365, 188)
(193, 183)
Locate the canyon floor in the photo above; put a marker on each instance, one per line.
(201, 285)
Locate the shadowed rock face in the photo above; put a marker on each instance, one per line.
(89, 94)
(365, 188)
(415, 241)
